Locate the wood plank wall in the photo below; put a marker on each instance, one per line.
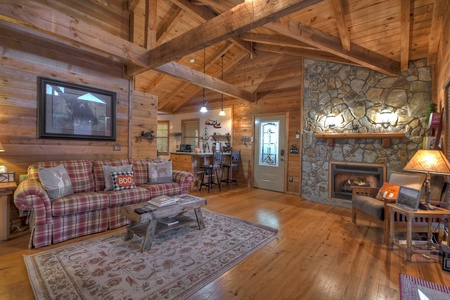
(144, 116)
(278, 81)
(24, 59)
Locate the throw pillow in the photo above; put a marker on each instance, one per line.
(388, 190)
(56, 181)
(123, 180)
(108, 170)
(160, 172)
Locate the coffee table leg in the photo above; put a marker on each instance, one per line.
(129, 233)
(150, 234)
(199, 216)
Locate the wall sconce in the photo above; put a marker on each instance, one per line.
(385, 117)
(331, 120)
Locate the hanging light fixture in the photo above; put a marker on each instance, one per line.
(222, 113)
(204, 109)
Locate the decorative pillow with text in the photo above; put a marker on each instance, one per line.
(56, 181)
(108, 170)
(123, 180)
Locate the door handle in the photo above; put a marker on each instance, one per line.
(282, 152)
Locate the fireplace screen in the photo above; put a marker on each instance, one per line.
(345, 176)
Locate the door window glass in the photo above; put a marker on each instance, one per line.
(269, 144)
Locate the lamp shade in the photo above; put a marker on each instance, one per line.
(429, 161)
(1, 148)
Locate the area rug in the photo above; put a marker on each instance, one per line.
(180, 262)
(412, 288)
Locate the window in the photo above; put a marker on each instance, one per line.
(162, 145)
(190, 131)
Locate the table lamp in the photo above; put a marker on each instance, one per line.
(429, 162)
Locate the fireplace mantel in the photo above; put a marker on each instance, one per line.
(384, 136)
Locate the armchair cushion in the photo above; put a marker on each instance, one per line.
(369, 205)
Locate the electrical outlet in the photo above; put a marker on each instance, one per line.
(116, 147)
(291, 179)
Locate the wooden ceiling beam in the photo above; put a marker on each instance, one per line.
(151, 16)
(405, 32)
(168, 25)
(132, 4)
(40, 20)
(204, 14)
(229, 24)
(162, 102)
(338, 10)
(229, 66)
(437, 25)
(278, 40)
(332, 44)
(204, 80)
(315, 54)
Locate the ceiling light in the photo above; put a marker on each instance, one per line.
(204, 109)
(222, 113)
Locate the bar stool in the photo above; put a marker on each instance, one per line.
(209, 170)
(234, 166)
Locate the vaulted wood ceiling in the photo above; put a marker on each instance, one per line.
(177, 47)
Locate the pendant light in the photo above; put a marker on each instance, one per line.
(222, 113)
(204, 109)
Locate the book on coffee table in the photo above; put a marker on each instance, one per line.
(163, 201)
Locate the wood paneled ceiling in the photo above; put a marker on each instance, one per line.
(169, 41)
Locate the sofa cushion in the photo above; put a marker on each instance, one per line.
(56, 181)
(168, 189)
(79, 202)
(109, 170)
(129, 196)
(140, 169)
(123, 181)
(370, 206)
(98, 170)
(79, 171)
(160, 172)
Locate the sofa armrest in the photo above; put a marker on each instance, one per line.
(365, 191)
(30, 195)
(181, 177)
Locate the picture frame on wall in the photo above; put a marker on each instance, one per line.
(72, 111)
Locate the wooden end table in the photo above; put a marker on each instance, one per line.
(437, 213)
(146, 224)
(6, 189)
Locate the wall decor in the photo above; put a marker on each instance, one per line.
(73, 111)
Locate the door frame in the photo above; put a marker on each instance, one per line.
(286, 150)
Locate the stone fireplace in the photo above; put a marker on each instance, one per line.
(344, 176)
(356, 95)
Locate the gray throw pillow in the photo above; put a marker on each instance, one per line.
(56, 181)
(160, 172)
(108, 170)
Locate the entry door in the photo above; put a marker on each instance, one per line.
(269, 152)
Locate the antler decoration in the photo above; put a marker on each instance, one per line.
(213, 123)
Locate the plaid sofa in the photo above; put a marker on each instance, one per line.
(89, 209)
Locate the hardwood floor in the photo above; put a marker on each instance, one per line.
(319, 254)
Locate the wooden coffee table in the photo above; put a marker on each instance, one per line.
(146, 224)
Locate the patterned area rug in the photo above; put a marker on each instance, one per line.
(180, 262)
(412, 288)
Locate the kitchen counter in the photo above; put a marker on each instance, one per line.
(191, 162)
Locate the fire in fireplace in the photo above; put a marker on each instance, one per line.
(343, 177)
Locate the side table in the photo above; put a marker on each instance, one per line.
(6, 189)
(410, 215)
